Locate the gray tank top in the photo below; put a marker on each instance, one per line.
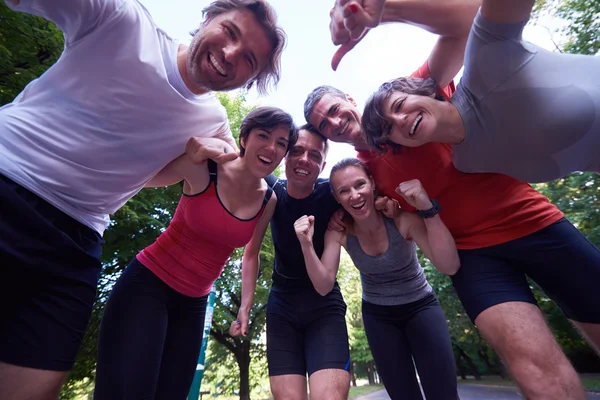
(528, 112)
(394, 277)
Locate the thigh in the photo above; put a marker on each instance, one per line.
(431, 346)
(391, 353)
(51, 267)
(566, 266)
(486, 278)
(326, 341)
(288, 387)
(132, 335)
(22, 383)
(182, 347)
(329, 384)
(520, 335)
(285, 341)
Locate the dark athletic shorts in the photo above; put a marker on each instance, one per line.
(306, 332)
(558, 258)
(49, 270)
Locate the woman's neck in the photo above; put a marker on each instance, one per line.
(369, 225)
(241, 175)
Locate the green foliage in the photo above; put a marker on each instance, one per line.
(582, 28)
(28, 46)
(349, 281)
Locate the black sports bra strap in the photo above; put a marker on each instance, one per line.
(267, 195)
(212, 170)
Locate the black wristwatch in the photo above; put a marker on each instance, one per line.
(432, 212)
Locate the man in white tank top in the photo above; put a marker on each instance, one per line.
(121, 102)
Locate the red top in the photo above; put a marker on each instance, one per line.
(191, 253)
(480, 210)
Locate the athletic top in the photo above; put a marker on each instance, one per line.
(107, 116)
(480, 210)
(527, 112)
(191, 253)
(289, 270)
(394, 277)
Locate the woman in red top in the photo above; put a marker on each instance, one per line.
(151, 329)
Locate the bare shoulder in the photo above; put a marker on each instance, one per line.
(404, 221)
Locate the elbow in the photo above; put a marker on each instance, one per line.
(326, 287)
(451, 268)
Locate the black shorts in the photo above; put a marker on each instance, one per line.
(558, 258)
(306, 332)
(50, 268)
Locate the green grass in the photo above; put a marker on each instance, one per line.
(356, 391)
(590, 381)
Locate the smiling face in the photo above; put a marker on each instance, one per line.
(264, 149)
(355, 191)
(306, 160)
(413, 118)
(337, 119)
(227, 52)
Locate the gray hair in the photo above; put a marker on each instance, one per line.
(317, 94)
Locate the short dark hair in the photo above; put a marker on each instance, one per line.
(317, 94)
(267, 118)
(267, 17)
(375, 126)
(314, 131)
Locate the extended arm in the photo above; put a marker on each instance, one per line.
(451, 20)
(251, 264)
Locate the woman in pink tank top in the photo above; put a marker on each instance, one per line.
(152, 325)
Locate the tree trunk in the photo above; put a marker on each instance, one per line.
(352, 375)
(460, 369)
(243, 359)
(470, 364)
(500, 368)
(371, 372)
(486, 360)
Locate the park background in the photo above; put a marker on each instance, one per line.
(237, 367)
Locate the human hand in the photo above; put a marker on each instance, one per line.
(413, 192)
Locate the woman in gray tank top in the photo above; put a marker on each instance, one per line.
(404, 323)
(519, 109)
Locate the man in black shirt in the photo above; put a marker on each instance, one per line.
(306, 332)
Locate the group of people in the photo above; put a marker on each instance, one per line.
(438, 166)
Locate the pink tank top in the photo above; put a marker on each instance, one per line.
(191, 253)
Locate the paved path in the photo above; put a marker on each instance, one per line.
(473, 392)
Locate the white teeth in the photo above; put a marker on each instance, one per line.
(414, 125)
(302, 172)
(265, 159)
(359, 206)
(215, 64)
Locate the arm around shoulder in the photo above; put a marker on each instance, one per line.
(433, 238)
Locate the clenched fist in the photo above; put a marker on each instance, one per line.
(305, 228)
(412, 191)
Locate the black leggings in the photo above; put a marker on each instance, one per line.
(149, 339)
(399, 334)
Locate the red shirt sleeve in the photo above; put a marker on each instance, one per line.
(423, 72)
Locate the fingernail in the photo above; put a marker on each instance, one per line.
(353, 8)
